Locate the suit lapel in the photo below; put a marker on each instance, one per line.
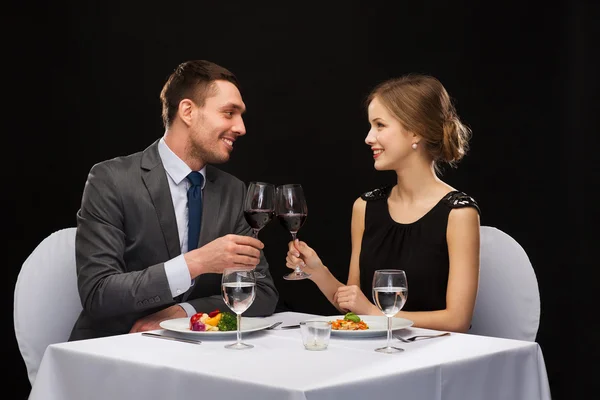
(155, 179)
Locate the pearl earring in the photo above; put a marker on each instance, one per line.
(414, 146)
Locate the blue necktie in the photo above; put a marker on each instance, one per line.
(194, 196)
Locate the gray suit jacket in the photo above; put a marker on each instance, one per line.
(126, 230)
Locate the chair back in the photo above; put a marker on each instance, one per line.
(46, 299)
(508, 298)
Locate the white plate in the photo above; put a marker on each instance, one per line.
(377, 325)
(183, 325)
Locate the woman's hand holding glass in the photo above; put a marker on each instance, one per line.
(301, 255)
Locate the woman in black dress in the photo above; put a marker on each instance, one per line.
(419, 224)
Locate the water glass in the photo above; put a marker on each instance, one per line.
(390, 292)
(239, 291)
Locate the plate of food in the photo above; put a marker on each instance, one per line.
(352, 325)
(215, 323)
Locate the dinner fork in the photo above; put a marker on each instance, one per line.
(413, 338)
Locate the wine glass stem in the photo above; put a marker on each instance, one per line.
(389, 332)
(298, 270)
(239, 328)
(255, 236)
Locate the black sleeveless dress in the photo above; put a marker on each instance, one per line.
(418, 248)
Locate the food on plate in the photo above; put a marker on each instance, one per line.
(352, 317)
(351, 322)
(213, 321)
(228, 322)
(196, 324)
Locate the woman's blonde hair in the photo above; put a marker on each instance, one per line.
(423, 106)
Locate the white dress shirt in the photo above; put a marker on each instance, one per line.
(176, 269)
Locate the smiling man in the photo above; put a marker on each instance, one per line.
(156, 228)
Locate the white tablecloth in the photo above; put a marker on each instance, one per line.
(455, 367)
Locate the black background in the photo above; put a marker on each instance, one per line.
(84, 79)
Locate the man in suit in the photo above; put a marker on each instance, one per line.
(139, 260)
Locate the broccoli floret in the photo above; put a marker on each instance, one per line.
(228, 322)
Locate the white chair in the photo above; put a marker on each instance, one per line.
(46, 302)
(508, 299)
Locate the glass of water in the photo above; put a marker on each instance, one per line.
(238, 293)
(389, 294)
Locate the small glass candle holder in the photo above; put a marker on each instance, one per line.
(315, 334)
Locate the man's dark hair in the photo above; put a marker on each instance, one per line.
(191, 80)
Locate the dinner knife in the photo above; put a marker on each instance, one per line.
(156, 335)
(290, 326)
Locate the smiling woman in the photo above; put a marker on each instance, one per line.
(420, 224)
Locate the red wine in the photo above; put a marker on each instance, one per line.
(258, 219)
(292, 221)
